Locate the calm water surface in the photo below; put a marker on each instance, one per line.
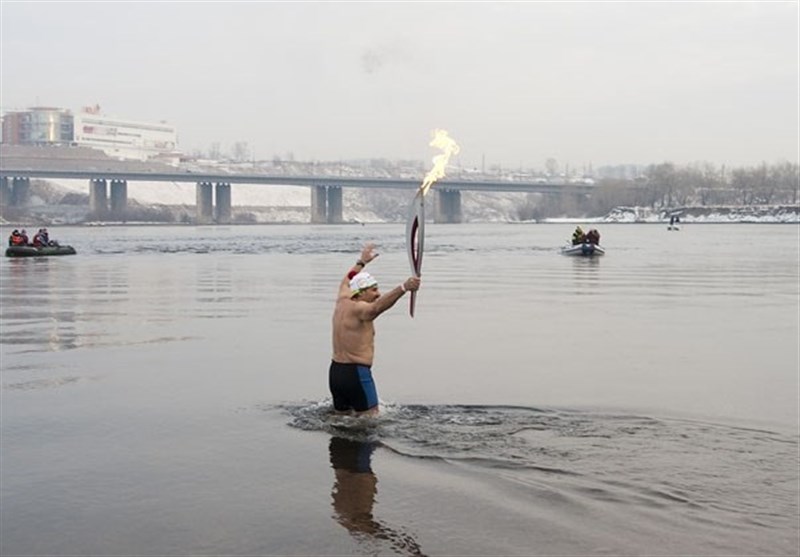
(164, 392)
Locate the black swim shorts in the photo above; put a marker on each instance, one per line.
(350, 455)
(352, 387)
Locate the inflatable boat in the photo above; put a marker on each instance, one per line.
(585, 249)
(31, 251)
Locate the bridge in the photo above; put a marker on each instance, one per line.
(326, 191)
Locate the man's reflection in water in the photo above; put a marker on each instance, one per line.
(354, 495)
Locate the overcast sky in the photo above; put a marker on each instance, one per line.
(513, 83)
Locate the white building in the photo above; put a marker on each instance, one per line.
(126, 139)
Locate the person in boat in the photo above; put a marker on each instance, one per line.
(24, 235)
(578, 237)
(50, 242)
(40, 238)
(15, 239)
(593, 237)
(358, 304)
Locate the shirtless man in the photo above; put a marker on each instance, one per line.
(358, 304)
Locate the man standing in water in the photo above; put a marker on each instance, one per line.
(358, 304)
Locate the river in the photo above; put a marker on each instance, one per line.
(164, 392)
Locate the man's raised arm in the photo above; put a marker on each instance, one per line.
(367, 255)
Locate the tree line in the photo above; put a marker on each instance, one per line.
(668, 186)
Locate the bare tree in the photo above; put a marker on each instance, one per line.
(786, 177)
(741, 182)
(661, 181)
(241, 151)
(708, 182)
(551, 166)
(214, 152)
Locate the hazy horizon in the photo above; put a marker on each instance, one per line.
(513, 83)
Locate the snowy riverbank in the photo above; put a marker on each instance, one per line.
(66, 202)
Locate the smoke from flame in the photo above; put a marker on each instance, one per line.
(448, 147)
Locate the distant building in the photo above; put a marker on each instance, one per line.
(38, 126)
(125, 139)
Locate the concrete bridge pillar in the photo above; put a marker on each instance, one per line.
(98, 196)
(20, 192)
(319, 204)
(205, 202)
(119, 196)
(447, 206)
(223, 205)
(326, 205)
(5, 192)
(334, 211)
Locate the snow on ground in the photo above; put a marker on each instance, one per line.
(477, 206)
(716, 215)
(174, 193)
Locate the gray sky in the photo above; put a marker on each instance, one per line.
(513, 83)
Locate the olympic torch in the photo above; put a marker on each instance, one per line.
(415, 225)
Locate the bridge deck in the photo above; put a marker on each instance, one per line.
(52, 163)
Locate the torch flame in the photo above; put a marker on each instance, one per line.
(448, 147)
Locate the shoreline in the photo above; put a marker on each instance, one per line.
(106, 224)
